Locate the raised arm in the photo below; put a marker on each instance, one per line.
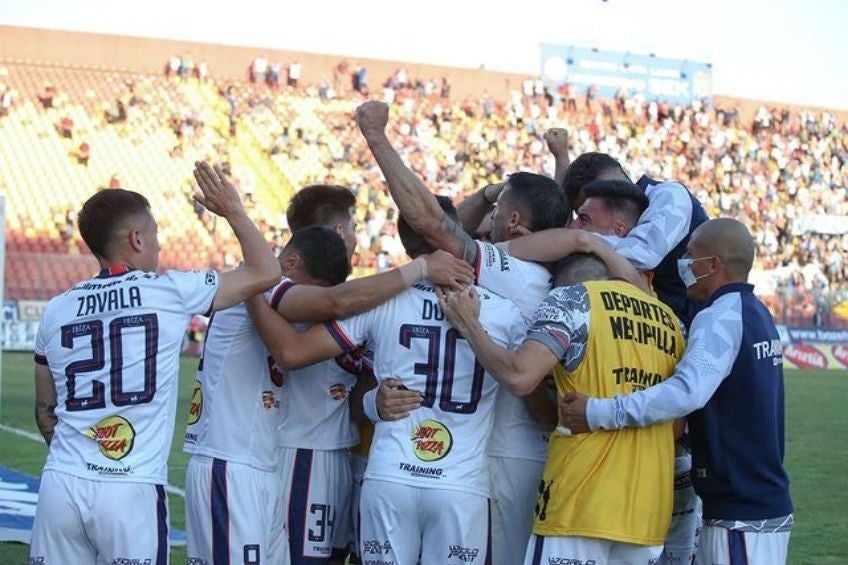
(45, 402)
(557, 140)
(260, 269)
(305, 303)
(521, 371)
(474, 207)
(418, 206)
(289, 347)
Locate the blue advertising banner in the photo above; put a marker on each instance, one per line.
(654, 78)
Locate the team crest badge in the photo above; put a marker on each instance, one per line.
(338, 391)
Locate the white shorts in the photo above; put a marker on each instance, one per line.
(403, 524)
(681, 543)
(515, 484)
(234, 513)
(734, 547)
(575, 549)
(318, 486)
(83, 521)
(358, 463)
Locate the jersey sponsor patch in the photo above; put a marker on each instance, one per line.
(431, 441)
(114, 435)
(195, 407)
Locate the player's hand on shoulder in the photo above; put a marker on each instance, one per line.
(572, 412)
(217, 194)
(462, 307)
(448, 271)
(372, 116)
(395, 401)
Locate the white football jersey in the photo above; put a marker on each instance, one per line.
(516, 433)
(315, 407)
(235, 407)
(443, 443)
(112, 344)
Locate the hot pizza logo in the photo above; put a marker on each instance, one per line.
(431, 440)
(114, 435)
(195, 407)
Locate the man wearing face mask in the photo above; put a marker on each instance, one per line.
(730, 382)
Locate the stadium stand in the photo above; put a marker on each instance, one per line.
(68, 130)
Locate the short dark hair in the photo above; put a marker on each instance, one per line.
(578, 268)
(586, 168)
(541, 200)
(105, 213)
(319, 204)
(322, 251)
(619, 197)
(413, 242)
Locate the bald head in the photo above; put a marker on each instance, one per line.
(730, 241)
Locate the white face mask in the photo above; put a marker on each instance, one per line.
(684, 269)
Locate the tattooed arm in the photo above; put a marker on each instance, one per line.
(417, 205)
(45, 402)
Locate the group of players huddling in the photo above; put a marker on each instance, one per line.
(523, 391)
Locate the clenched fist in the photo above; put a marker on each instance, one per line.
(557, 140)
(372, 117)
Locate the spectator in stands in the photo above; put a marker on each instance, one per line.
(117, 112)
(294, 74)
(46, 96)
(340, 73)
(65, 127)
(173, 66)
(274, 74)
(83, 152)
(258, 69)
(186, 67)
(360, 79)
(202, 70)
(6, 97)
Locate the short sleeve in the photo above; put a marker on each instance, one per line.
(522, 282)
(274, 295)
(196, 289)
(561, 323)
(354, 331)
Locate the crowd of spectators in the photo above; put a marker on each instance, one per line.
(780, 171)
(784, 173)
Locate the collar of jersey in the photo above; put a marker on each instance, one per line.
(731, 287)
(115, 270)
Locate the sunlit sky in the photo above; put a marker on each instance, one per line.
(789, 51)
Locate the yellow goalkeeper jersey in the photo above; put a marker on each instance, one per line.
(612, 339)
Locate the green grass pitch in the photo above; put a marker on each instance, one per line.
(816, 456)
